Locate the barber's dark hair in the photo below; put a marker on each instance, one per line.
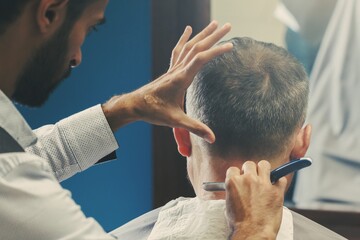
(11, 9)
(252, 97)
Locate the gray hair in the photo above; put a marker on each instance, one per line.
(253, 98)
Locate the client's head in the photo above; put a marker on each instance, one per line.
(254, 98)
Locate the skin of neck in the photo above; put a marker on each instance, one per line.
(204, 167)
(17, 44)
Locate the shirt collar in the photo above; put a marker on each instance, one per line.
(12, 121)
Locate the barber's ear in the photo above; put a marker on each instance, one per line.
(51, 14)
(182, 138)
(302, 142)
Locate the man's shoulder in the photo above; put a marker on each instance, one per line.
(138, 228)
(305, 228)
(141, 227)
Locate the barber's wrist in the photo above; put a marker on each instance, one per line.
(120, 110)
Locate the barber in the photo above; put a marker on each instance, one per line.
(40, 41)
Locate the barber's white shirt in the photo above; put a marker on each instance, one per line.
(33, 205)
(193, 218)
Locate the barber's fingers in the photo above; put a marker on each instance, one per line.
(200, 59)
(194, 126)
(232, 172)
(249, 167)
(232, 176)
(185, 47)
(180, 46)
(208, 30)
(264, 168)
(207, 42)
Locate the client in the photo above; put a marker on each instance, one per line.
(254, 98)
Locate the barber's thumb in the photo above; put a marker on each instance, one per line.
(198, 128)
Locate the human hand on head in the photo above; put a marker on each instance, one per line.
(254, 206)
(161, 102)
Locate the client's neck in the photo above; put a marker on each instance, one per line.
(214, 170)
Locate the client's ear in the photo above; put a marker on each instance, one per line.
(182, 138)
(302, 143)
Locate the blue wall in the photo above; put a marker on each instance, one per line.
(117, 59)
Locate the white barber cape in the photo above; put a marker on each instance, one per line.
(334, 113)
(186, 218)
(193, 218)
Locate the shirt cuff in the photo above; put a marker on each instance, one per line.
(89, 136)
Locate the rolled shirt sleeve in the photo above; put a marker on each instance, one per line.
(75, 143)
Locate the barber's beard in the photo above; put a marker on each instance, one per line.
(44, 71)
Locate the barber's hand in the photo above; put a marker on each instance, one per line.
(161, 102)
(254, 205)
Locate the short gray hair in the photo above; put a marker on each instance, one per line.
(253, 98)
